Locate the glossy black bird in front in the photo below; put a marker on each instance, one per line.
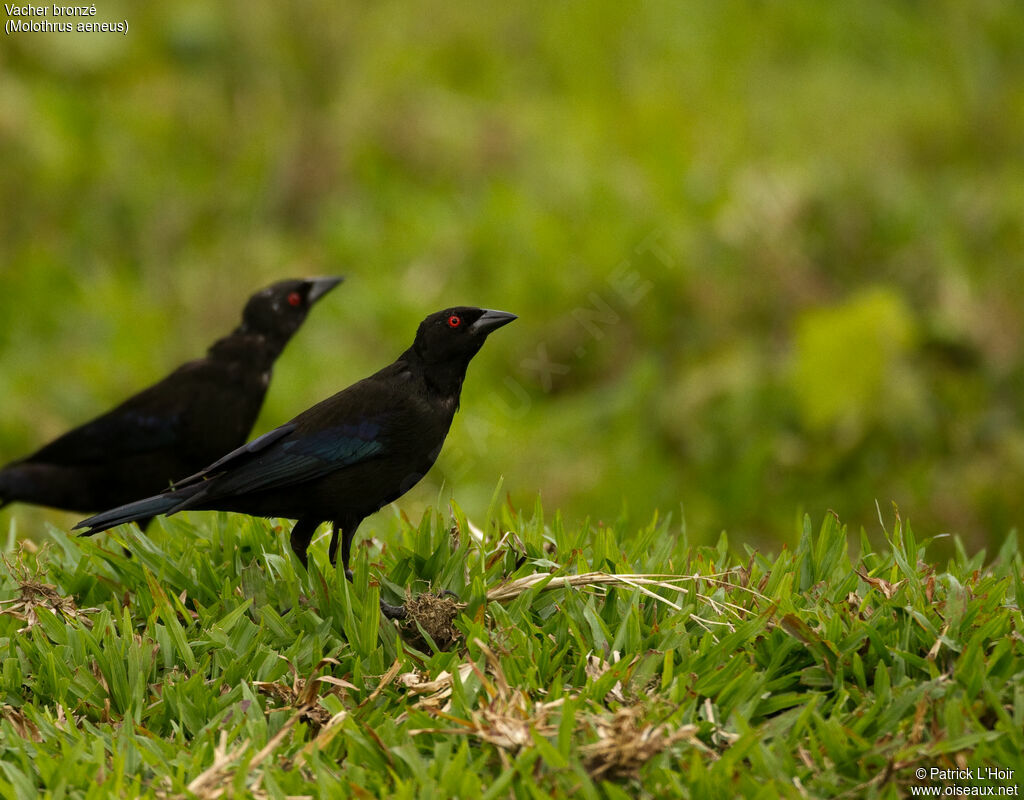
(198, 412)
(347, 456)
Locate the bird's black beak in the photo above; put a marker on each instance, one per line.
(318, 287)
(491, 321)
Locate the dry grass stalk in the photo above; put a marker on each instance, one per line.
(217, 780)
(508, 720)
(624, 745)
(885, 587)
(385, 681)
(303, 696)
(511, 721)
(33, 594)
(326, 734)
(597, 666)
(210, 783)
(23, 726)
(641, 582)
(435, 691)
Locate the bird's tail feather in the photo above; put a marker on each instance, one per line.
(140, 509)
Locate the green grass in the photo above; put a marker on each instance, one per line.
(211, 664)
(799, 225)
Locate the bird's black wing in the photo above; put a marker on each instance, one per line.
(284, 457)
(123, 431)
(238, 456)
(157, 418)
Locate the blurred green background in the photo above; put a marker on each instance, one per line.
(766, 256)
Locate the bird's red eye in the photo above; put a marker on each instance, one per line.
(295, 299)
(454, 321)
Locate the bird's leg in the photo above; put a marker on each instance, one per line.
(347, 529)
(393, 612)
(302, 535)
(348, 533)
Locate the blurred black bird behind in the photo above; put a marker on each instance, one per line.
(347, 456)
(176, 426)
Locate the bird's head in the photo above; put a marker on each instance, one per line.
(457, 334)
(280, 309)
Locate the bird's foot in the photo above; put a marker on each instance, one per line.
(402, 612)
(393, 612)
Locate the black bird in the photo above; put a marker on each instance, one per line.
(201, 410)
(347, 456)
